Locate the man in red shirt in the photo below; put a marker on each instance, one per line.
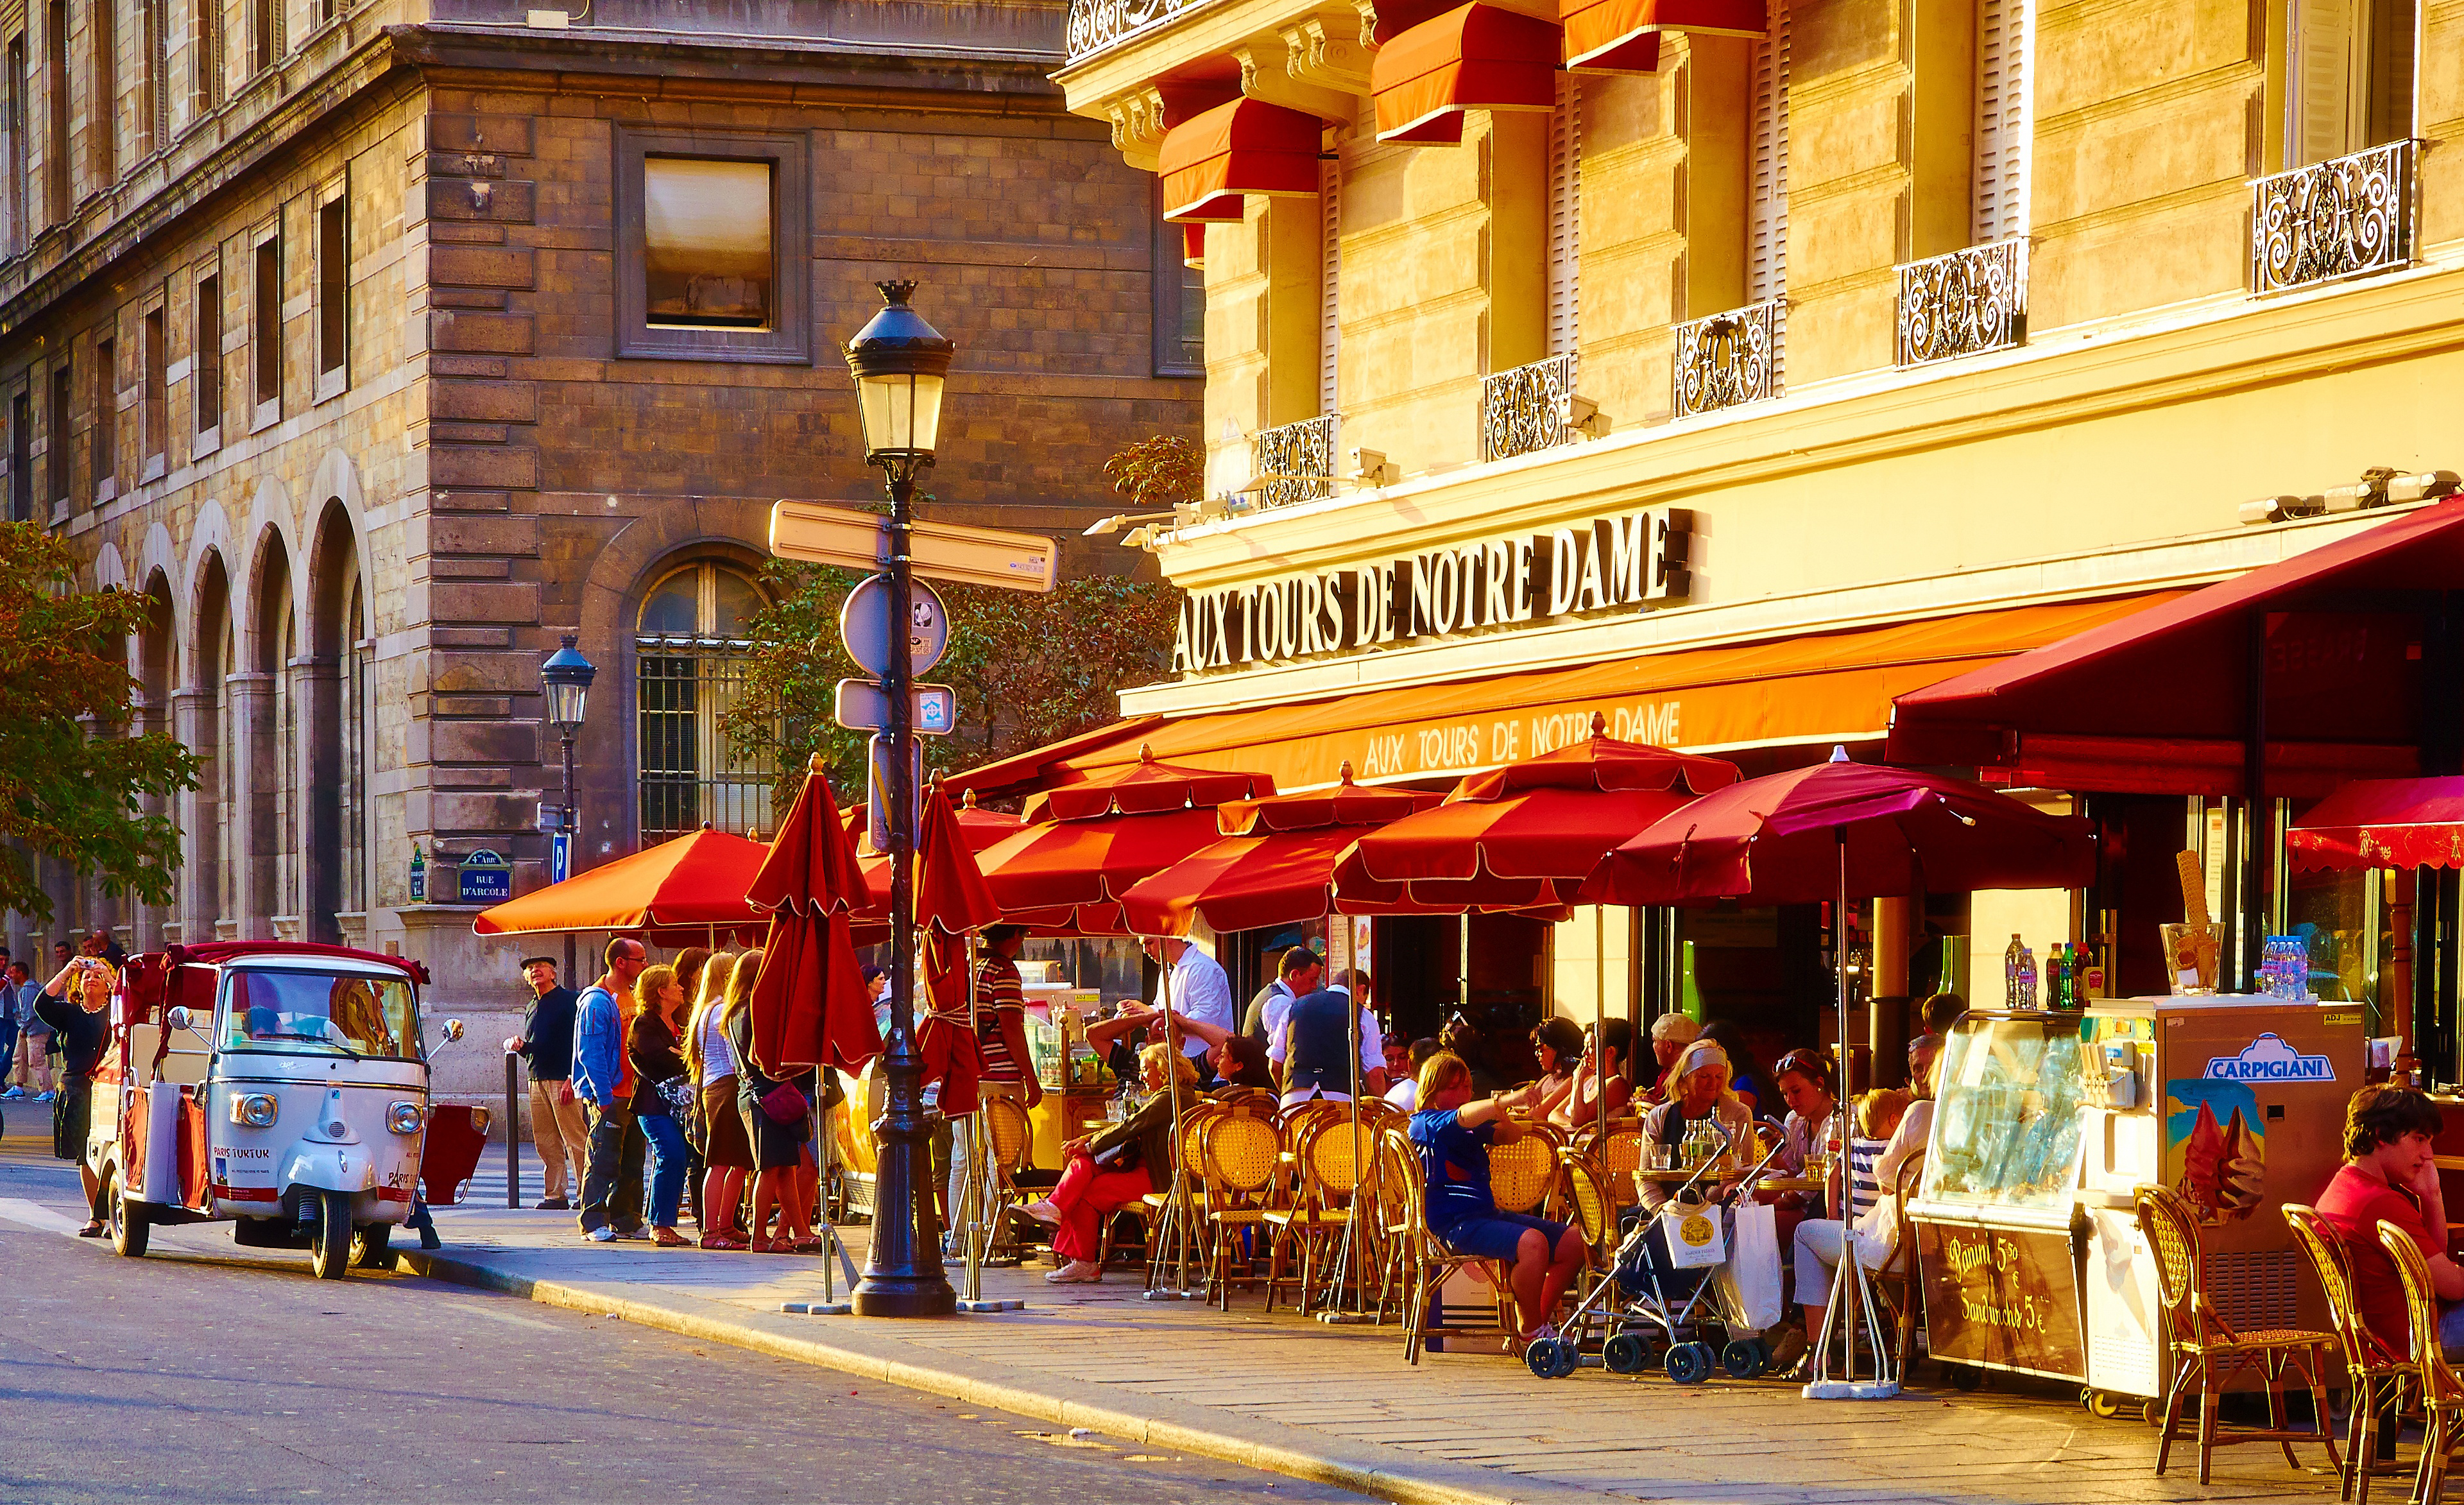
(2389, 1176)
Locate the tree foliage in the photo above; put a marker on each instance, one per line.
(1156, 473)
(72, 778)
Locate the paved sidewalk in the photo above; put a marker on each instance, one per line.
(1339, 1404)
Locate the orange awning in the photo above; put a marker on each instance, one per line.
(1473, 57)
(1623, 35)
(1213, 161)
(1828, 688)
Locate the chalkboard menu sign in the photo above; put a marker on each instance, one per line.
(2001, 1296)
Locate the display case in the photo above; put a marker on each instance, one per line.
(1995, 1208)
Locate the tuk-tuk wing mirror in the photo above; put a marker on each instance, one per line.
(179, 1018)
(452, 1030)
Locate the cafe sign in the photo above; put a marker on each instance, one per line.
(1624, 563)
(2003, 1298)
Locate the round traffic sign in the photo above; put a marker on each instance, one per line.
(864, 626)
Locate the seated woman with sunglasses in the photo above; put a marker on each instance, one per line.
(1558, 1045)
(1599, 1090)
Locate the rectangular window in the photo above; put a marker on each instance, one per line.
(56, 435)
(265, 336)
(55, 88)
(106, 419)
(18, 144)
(333, 297)
(711, 246)
(2005, 48)
(1179, 286)
(205, 57)
(21, 458)
(264, 35)
(153, 109)
(102, 113)
(157, 437)
(205, 362)
(2352, 77)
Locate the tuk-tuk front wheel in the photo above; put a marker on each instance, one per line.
(128, 1223)
(330, 1255)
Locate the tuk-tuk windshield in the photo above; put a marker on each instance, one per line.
(321, 1012)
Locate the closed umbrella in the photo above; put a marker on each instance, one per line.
(809, 1005)
(1825, 833)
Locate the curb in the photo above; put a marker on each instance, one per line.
(1365, 1467)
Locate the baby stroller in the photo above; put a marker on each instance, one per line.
(1653, 1314)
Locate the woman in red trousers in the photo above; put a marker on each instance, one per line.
(1109, 1171)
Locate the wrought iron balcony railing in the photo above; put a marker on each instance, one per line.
(1529, 407)
(2345, 217)
(1294, 463)
(1965, 303)
(1727, 359)
(1096, 24)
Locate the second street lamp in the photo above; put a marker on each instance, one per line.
(565, 683)
(899, 363)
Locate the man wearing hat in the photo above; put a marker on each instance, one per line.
(557, 1122)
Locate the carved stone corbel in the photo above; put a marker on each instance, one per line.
(1330, 50)
(1138, 128)
(1266, 74)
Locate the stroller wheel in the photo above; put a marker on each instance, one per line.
(1691, 1364)
(1743, 1358)
(1551, 1358)
(1625, 1354)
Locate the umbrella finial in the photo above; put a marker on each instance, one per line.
(1599, 724)
(1344, 771)
(967, 800)
(706, 826)
(1839, 753)
(1146, 752)
(814, 765)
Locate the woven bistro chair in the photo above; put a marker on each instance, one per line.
(1398, 1191)
(1523, 1172)
(2380, 1380)
(1010, 1137)
(1897, 1279)
(1323, 1203)
(1424, 1263)
(2442, 1391)
(1240, 1156)
(1620, 1157)
(2210, 1354)
(1162, 1216)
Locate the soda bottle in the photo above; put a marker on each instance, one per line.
(2057, 977)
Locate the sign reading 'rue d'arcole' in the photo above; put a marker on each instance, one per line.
(1629, 561)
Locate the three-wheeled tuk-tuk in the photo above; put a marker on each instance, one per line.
(281, 1084)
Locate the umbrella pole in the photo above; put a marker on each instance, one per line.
(974, 1211)
(1600, 1024)
(1178, 1209)
(1852, 1298)
(1344, 1273)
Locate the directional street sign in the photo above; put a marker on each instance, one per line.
(877, 790)
(863, 706)
(864, 626)
(849, 538)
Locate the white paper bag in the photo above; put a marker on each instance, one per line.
(1695, 1239)
(1753, 1273)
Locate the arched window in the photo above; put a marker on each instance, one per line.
(693, 648)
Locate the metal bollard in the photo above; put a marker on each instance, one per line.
(513, 1130)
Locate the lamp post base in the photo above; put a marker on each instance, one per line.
(905, 1295)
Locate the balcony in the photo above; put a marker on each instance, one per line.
(1965, 303)
(1294, 463)
(1727, 359)
(1096, 24)
(1529, 407)
(2345, 217)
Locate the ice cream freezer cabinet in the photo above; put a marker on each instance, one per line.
(2045, 1125)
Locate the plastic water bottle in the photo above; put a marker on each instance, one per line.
(2012, 963)
(2027, 976)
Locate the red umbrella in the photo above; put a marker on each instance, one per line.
(1274, 864)
(1798, 838)
(980, 828)
(808, 1003)
(686, 885)
(1528, 833)
(951, 897)
(1095, 839)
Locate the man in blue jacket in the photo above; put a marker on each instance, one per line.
(598, 1067)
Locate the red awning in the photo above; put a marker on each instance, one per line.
(1623, 35)
(1473, 57)
(1213, 161)
(2384, 823)
(2160, 700)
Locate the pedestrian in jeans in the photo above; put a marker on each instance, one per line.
(34, 1035)
(12, 977)
(598, 1079)
(660, 1088)
(558, 1124)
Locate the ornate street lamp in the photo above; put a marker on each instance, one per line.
(565, 683)
(899, 362)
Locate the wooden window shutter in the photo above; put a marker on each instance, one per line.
(2324, 63)
(1766, 222)
(1330, 277)
(2004, 40)
(1566, 217)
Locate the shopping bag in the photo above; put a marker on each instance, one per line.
(1753, 1273)
(1694, 1236)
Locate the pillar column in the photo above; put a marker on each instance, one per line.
(1886, 1009)
(257, 771)
(317, 687)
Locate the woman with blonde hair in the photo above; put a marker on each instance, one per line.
(710, 1061)
(1698, 1090)
(1105, 1172)
(775, 1110)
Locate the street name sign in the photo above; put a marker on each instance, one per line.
(862, 705)
(821, 534)
(486, 879)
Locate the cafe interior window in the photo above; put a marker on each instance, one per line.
(712, 245)
(693, 654)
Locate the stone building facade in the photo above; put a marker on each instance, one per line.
(378, 345)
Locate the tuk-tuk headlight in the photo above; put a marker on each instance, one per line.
(255, 1110)
(404, 1117)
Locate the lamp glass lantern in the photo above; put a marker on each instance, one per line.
(899, 362)
(565, 679)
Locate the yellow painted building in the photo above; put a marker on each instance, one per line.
(1818, 351)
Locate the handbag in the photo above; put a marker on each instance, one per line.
(677, 1093)
(785, 1104)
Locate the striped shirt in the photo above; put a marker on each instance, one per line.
(1864, 1186)
(1000, 998)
